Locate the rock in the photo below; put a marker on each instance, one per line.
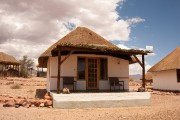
(9, 103)
(16, 106)
(32, 105)
(41, 105)
(48, 103)
(37, 103)
(19, 97)
(141, 89)
(49, 106)
(32, 101)
(46, 97)
(26, 104)
(20, 102)
(10, 97)
(66, 91)
(149, 90)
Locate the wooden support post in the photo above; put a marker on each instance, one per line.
(18, 70)
(143, 72)
(59, 71)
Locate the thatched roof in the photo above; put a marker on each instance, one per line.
(148, 76)
(170, 62)
(8, 59)
(85, 41)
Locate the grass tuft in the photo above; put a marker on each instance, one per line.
(15, 86)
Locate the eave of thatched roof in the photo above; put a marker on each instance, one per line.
(8, 59)
(170, 62)
(148, 76)
(85, 41)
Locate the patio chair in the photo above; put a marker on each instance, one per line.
(69, 81)
(114, 81)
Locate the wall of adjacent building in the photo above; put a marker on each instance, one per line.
(165, 80)
(116, 68)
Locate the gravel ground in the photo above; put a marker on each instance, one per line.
(163, 107)
(28, 87)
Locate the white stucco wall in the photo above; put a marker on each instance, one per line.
(165, 80)
(69, 68)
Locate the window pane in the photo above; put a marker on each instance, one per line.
(178, 75)
(81, 68)
(103, 69)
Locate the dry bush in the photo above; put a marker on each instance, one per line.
(15, 86)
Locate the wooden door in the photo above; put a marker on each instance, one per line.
(92, 73)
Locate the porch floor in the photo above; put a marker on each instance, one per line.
(99, 100)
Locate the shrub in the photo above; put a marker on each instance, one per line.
(15, 86)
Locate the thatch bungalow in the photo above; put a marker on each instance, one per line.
(90, 60)
(9, 66)
(166, 73)
(148, 78)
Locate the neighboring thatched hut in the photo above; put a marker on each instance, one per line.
(88, 59)
(148, 78)
(9, 66)
(166, 73)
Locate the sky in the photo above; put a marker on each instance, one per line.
(30, 27)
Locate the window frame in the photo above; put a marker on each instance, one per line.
(100, 69)
(78, 71)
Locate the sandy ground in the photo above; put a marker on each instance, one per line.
(163, 107)
(28, 86)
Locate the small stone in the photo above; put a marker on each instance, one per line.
(37, 103)
(19, 97)
(41, 105)
(20, 102)
(16, 106)
(49, 106)
(48, 103)
(26, 104)
(47, 97)
(141, 89)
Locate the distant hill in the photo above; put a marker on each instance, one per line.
(136, 76)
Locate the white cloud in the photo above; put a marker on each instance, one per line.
(137, 69)
(122, 46)
(30, 27)
(150, 48)
(135, 20)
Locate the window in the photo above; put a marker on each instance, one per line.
(178, 75)
(81, 68)
(103, 69)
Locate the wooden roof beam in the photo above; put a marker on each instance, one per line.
(72, 51)
(140, 63)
